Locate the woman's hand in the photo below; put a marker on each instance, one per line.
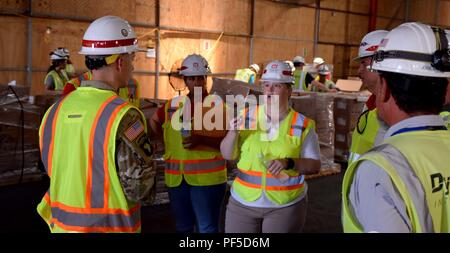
(276, 166)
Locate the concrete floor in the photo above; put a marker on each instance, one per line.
(19, 203)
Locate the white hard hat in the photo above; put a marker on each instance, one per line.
(65, 51)
(109, 35)
(299, 59)
(370, 42)
(318, 61)
(194, 65)
(255, 67)
(291, 64)
(414, 49)
(323, 70)
(278, 72)
(58, 54)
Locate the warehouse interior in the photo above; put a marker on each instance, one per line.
(231, 35)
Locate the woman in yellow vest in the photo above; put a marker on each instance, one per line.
(94, 145)
(276, 147)
(196, 178)
(56, 76)
(402, 184)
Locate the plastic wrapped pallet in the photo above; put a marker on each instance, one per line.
(319, 107)
(19, 139)
(347, 110)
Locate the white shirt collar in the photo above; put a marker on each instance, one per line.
(417, 121)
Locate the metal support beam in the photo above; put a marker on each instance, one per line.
(29, 44)
(158, 42)
(316, 28)
(373, 15)
(407, 7)
(437, 12)
(252, 30)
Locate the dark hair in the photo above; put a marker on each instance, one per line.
(55, 63)
(297, 64)
(416, 93)
(95, 61)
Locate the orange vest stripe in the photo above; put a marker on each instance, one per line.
(96, 229)
(284, 188)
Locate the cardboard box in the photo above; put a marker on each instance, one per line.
(223, 87)
(349, 85)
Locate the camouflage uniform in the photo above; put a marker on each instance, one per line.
(134, 163)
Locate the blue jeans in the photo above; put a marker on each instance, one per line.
(196, 206)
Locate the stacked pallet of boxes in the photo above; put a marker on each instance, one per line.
(19, 138)
(347, 109)
(319, 107)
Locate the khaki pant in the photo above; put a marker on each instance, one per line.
(245, 219)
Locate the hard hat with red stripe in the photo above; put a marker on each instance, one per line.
(109, 35)
(370, 42)
(194, 65)
(278, 72)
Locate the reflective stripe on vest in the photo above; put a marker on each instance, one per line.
(79, 220)
(299, 124)
(96, 215)
(98, 154)
(253, 179)
(46, 142)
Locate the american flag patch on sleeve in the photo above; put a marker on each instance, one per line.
(134, 130)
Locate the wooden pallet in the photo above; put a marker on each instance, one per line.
(335, 169)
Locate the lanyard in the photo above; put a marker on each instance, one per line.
(422, 128)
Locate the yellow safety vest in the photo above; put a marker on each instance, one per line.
(199, 168)
(77, 142)
(428, 154)
(245, 75)
(129, 93)
(300, 77)
(253, 177)
(59, 79)
(364, 134)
